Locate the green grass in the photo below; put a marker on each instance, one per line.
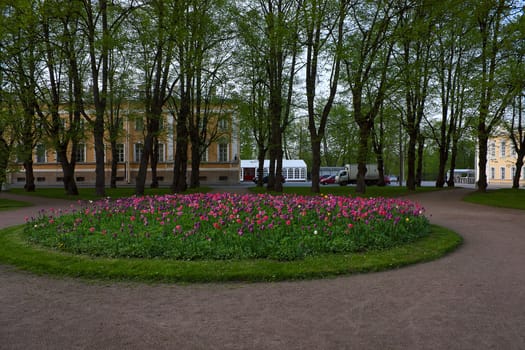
(89, 193)
(371, 191)
(503, 198)
(14, 250)
(9, 204)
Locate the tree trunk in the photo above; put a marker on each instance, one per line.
(68, 169)
(29, 186)
(362, 155)
(381, 169)
(181, 149)
(143, 165)
(260, 170)
(195, 158)
(114, 165)
(517, 174)
(419, 168)
(154, 162)
(316, 164)
(482, 161)
(443, 154)
(411, 160)
(100, 173)
(4, 160)
(453, 157)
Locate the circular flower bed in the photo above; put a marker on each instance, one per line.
(229, 226)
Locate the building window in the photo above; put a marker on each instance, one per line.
(513, 172)
(223, 124)
(492, 173)
(80, 155)
(120, 153)
(40, 153)
(513, 152)
(138, 150)
(223, 152)
(493, 149)
(502, 170)
(204, 156)
(161, 153)
(502, 150)
(139, 124)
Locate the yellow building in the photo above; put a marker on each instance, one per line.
(220, 164)
(501, 161)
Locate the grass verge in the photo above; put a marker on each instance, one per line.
(89, 193)
(18, 252)
(371, 191)
(9, 204)
(504, 198)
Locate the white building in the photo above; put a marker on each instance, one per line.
(293, 169)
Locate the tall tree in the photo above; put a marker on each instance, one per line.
(324, 23)
(517, 136)
(492, 81)
(453, 63)
(155, 25)
(368, 53)
(281, 48)
(101, 20)
(415, 41)
(22, 50)
(62, 87)
(207, 41)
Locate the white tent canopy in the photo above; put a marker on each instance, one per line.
(293, 169)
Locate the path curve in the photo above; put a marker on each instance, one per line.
(474, 298)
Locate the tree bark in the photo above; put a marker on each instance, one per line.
(29, 186)
(482, 160)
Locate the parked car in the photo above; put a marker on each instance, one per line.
(387, 180)
(323, 177)
(328, 180)
(265, 179)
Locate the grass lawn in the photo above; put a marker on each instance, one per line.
(503, 198)
(9, 204)
(14, 250)
(371, 191)
(89, 193)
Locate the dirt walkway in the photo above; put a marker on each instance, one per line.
(473, 298)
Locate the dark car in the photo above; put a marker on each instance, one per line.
(328, 180)
(265, 179)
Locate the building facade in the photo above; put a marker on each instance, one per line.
(501, 162)
(219, 165)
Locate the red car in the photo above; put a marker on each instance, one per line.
(328, 180)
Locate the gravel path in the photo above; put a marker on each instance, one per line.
(473, 298)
